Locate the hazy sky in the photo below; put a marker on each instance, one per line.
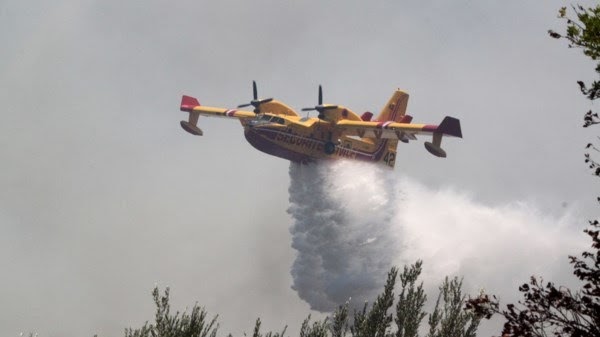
(102, 194)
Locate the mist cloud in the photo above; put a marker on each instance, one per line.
(342, 224)
(353, 221)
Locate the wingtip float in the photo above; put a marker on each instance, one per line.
(336, 133)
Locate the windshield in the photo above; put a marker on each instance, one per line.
(264, 119)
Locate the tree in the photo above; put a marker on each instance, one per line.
(194, 324)
(447, 319)
(409, 310)
(547, 309)
(451, 320)
(584, 33)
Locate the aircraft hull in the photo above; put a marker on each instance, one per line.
(266, 143)
(301, 149)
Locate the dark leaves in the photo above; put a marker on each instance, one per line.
(590, 118)
(554, 34)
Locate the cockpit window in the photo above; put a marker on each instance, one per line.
(271, 119)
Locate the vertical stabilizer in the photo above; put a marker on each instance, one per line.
(395, 109)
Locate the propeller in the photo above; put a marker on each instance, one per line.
(320, 107)
(255, 102)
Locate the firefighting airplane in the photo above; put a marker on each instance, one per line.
(336, 133)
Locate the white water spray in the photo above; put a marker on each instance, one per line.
(342, 224)
(353, 221)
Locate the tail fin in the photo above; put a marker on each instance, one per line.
(450, 126)
(188, 103)
(395, 109)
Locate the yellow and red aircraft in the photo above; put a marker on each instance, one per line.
(337, 133)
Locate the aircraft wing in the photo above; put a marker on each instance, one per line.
(192, 106)
(449, 127)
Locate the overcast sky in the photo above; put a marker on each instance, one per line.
(103, 195)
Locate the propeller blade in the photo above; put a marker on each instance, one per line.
(255, 102)
(320, 107)
(320, 95)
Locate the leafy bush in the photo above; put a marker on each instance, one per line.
(448, 318)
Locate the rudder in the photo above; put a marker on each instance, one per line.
(395, 109)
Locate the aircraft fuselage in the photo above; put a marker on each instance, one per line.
(305, 144)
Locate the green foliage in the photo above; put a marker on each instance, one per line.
(584, 33)
(377, 321)
(269, 334)
(194, 324)
(593, 165)
(339, 324)
(318, 328)
(409, 310)
(449, 319)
